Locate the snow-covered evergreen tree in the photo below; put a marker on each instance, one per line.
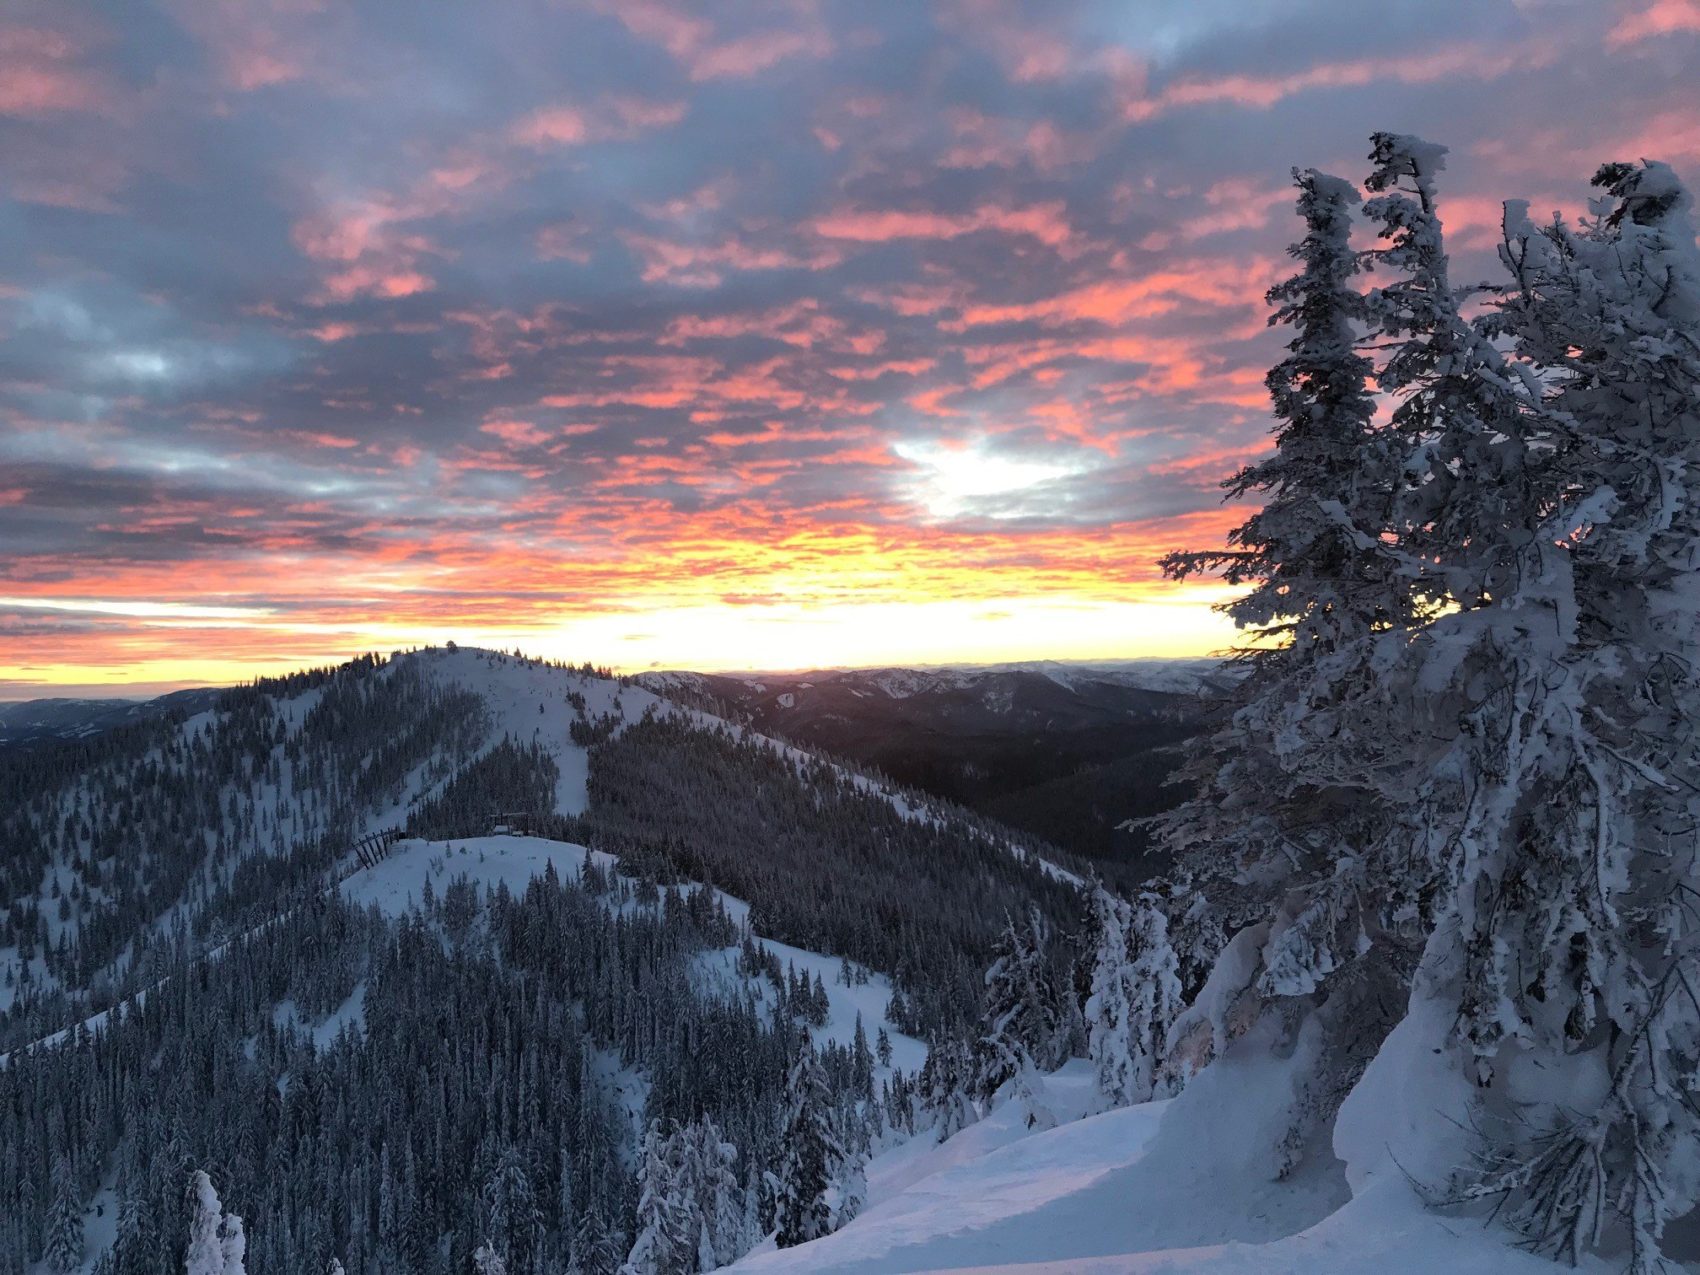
(812, 1158)
(1569, 943)
(1019, 1020)
(691, 1214)
(1509, 800)
(1325, 582)
(509, 1212)
(234, 1245)
(217, 1244)
(660, 1240)
(850, 1181)
(723, 1232)
(64, 1221)
(595, 1248)
(1136, 995)
(945, 1082)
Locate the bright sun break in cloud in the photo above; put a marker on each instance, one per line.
(780, 334)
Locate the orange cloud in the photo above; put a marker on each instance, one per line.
(1203, 283)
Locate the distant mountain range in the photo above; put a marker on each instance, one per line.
(37, 719)
(1068, 752)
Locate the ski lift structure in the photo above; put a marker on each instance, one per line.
(515, 823)
(374, 847)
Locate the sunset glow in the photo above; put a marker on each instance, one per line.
(768, 335)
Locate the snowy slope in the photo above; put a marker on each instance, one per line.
(1164, 1188)
(528, 701)
(398, 883)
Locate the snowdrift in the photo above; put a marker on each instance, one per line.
(1168, 1187)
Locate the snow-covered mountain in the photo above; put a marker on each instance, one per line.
(286, 940)
(269, 788)
(984, 681)
(289, 893)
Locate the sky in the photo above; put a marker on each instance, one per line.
(776, 334)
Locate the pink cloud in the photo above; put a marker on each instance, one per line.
(617, 118)
(641, 114)
(890, 367)
(359, 281)
(985, 142)
(552, 126)
(750, 55)
(931, 402)
(702, 199)
(520, 433)
(1666, 135)
(692, 41)
(1028, 53)
(1048, 223)
(563, 240)
(257, 44)
(369, 238)
(803, 324)
(1662, 17)
(912, 299)
(332, 332)
(1261, 92)
(704, 265)
(39, 75)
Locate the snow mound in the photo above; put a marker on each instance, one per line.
(1162, 1188)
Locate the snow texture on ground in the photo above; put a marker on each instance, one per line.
(1163, 1188)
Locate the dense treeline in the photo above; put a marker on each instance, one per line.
(490, 1093)
(816, 851)
(508, 779)
(563, 1079)
(175, 832)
